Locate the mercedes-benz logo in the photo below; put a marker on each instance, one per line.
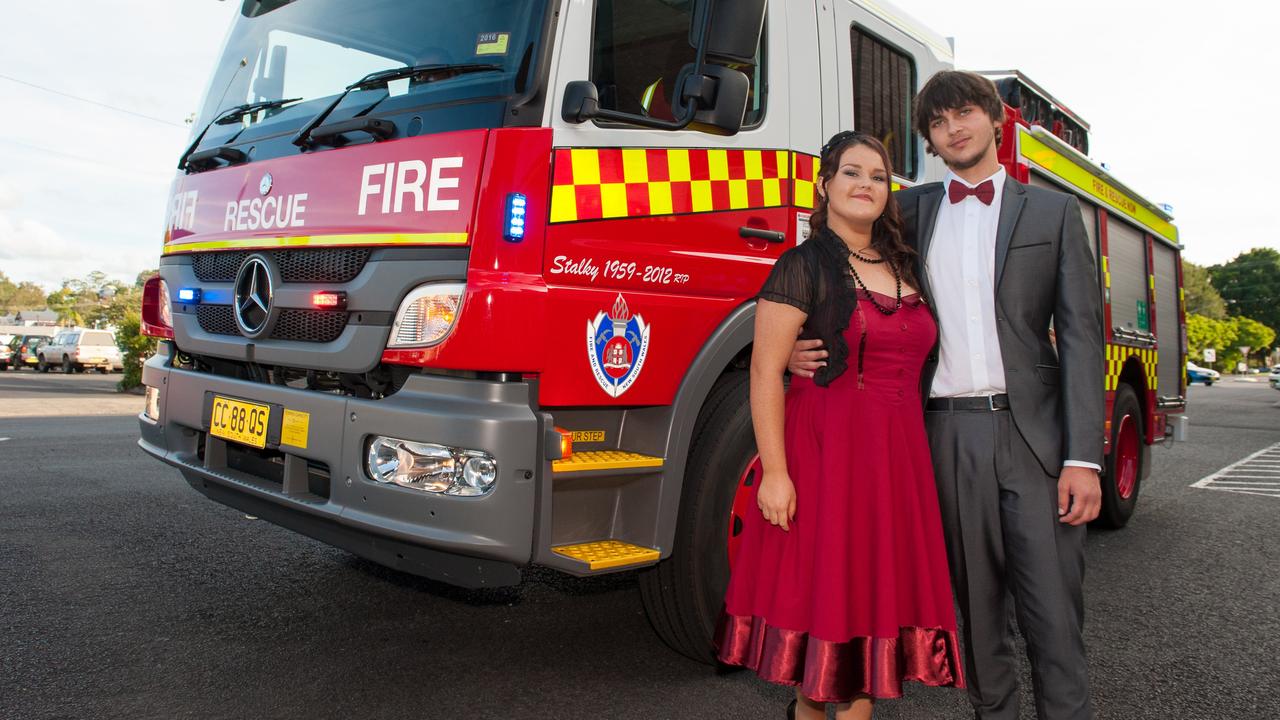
(253, 297)
(264, 186)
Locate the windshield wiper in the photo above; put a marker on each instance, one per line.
(380, 129)
(226, 117)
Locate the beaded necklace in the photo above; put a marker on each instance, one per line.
(849, 253)
(897, 278)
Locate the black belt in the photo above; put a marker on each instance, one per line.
(988, 403)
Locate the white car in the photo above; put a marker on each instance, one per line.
(1274, 378)
(81, 349)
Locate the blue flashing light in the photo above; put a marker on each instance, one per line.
(517, 207)
(189, 295)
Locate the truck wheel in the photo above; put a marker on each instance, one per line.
(683, 594)
(41, 365)
(66, 365)
(1124, 463)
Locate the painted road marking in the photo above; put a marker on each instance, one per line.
(1258, 474)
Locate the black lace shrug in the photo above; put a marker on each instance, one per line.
(814, 277)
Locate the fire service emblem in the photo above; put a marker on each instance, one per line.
(617, 343)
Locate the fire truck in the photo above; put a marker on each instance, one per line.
(467, 288)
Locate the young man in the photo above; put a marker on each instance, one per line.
(1015, 426)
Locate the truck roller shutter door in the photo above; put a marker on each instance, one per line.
(1128, 264)
(1165, 261)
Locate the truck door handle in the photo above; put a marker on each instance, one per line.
(769, 235)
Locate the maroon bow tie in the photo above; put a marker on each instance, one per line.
(985, 191)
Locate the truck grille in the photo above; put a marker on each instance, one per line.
(293, 324)
(217, 319)
(309, 325)
(329, 265)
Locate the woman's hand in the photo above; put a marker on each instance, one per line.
(776, 499)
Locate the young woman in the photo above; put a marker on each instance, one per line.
(841, 587)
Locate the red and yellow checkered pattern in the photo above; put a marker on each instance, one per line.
(1118, 355)
(804, 170)
(602, 183)
(606, 183)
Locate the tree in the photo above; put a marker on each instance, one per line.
(124, 311)
(65, 302)
(1252, 334)
(7, 289)
(1250, 284)
(30, 296)
(25, 295)
(1205, 332)
(1201, 297)
(135, 346)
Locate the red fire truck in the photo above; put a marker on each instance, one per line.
(465, 288)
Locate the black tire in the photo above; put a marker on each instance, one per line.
(1118, 508)
(683, 594)
(41, 365)
(1208, 383)
(67, 367)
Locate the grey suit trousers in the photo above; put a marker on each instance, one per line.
(999, 512)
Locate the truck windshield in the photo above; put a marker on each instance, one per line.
(313, 49)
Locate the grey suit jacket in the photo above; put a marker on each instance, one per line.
(1044, 273)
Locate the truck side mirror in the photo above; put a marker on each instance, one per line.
(581, 102)
(720, 94)
(712, 97)
(733, 31)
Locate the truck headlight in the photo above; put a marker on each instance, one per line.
(427, 315)
(432, 468)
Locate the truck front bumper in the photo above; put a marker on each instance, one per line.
(318, 485)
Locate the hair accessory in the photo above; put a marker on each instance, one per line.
(838, 139)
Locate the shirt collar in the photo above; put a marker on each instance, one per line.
(996, 178)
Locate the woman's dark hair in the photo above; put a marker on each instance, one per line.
(887, 230)
(953, 89)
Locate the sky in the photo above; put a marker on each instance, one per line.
(1178, 97)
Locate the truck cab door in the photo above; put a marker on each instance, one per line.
(649, 222)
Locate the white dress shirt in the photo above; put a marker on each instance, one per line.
(962, 273)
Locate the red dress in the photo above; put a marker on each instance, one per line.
(856, 597)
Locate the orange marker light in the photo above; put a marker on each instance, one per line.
(329, 300)
(566, 442)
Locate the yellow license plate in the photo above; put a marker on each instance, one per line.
(239, 421)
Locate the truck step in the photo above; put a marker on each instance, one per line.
(606, 554)
(595, 460)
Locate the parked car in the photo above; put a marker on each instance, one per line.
(1196, 374)
(6, 353)
(1274, 378)
(29, 350)
(80, 349)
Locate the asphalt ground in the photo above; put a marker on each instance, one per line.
(126, 594)
(28, 393)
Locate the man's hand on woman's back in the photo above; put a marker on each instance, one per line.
(806, 357)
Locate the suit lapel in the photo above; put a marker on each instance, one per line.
(927, 218)
(1011, 203)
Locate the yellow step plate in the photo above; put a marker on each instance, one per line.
(607, 554)
(604, 460)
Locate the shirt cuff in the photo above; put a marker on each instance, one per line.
(1081, 463)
